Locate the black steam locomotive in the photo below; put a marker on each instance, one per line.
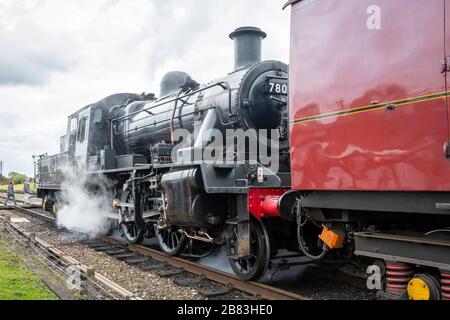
(161, 189)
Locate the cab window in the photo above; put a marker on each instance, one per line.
(97, 116)
(82, 129)
(73, 125)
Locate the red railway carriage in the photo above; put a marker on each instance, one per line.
(369, 135)
(368, 98)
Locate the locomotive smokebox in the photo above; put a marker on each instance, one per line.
(247, 46)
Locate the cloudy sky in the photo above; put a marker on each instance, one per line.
(57, 56)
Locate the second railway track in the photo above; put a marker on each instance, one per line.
(91, 284)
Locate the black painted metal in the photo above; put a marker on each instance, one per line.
(136, 139)
(406, 249)
(290, 2)
(172, 82)
(247, 46)
(376, 201)
(187, 204)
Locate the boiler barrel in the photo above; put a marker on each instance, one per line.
(151, 127)
(151, 123)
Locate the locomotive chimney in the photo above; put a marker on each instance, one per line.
(247, 46)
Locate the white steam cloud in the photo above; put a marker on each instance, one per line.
(218, 260)
(83, 210)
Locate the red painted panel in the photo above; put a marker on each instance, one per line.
(446, 60)
(341, 60)
(264, 202)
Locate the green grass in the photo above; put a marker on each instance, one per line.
(17, 282)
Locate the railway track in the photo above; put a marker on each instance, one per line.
(152, 260)
(91, 284)
(212, 283)
(18, 192)
(22, 202)
(256, 289)
(3, 196)
(41, 215)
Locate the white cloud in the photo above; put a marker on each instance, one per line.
(61, 55)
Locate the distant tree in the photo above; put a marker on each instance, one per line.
(3, 179)
(17, 178)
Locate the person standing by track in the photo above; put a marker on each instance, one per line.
(26, 190)
(10, 193)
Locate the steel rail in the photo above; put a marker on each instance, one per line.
(3, 196)
(19, 192)
(254, 288)
(34, 213)
(71, 261)
(257, 289)
(57, 265)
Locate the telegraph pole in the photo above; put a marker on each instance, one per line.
(34, 166)
(1, 168)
